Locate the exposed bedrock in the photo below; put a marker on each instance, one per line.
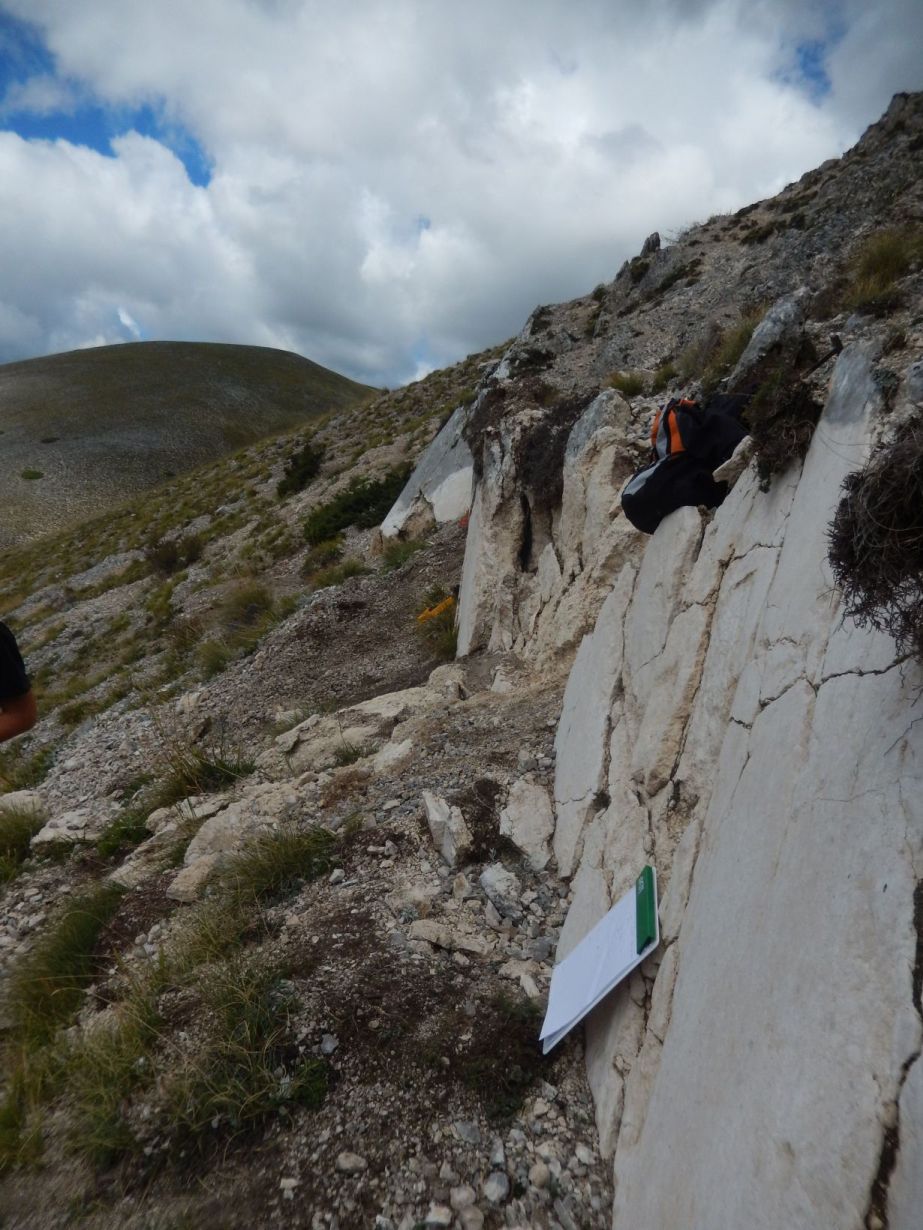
(723, 721)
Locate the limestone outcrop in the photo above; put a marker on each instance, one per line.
(723, 721)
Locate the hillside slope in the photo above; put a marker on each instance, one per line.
(94, 426)
(329, 866)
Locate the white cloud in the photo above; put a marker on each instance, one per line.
(541, 142)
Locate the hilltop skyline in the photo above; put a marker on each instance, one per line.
(388, 190)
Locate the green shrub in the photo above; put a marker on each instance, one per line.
(17, 828)
(322, 555)
(31, 475)
(300, 468)
(399, 550)
(629, 384)
(338, 573)
(876, 266)
(662, 376)
(365, 503)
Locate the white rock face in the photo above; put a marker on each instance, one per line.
(723, 722)
(543, 606)
(440, 487)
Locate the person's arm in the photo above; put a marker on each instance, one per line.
(19, 715)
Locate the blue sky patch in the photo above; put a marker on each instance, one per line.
(809, 58)
(86, 120)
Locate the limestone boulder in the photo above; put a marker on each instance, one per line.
(451, 835)
(503, 889)
(22, 801)
(76, 826)
(528, 820)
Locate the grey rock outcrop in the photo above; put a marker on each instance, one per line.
(440, 487)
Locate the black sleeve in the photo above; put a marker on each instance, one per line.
(13, 678)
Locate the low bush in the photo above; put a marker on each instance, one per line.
(728, 346)
(300, 468)
(337, 573)
(168, 555)
(876, 542)
(781, 416)
(399, 550)
(365, 503)
(877, 265)
(663, 375)
(629, 384)
(247, 1067)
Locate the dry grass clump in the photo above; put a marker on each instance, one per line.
(877, 265)
(629, 384)
(782, 417)
(876, 542)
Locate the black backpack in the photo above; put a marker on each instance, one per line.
(688, 441)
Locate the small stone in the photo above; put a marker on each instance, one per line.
(539, 1174)
(328, 1044)
(471, 1218)
(288, 1188)
(585, 1155)
(337, 876)
(468, 1131)
(440, 1215)
(350, 1163)
(462, 1197)
(540, 1107)
(391, 805)
(498, 1153)
(496, 1187)
(459, 960)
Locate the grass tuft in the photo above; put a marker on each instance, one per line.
(18, 825)
(629, 384)
(48, 984)
(276, 864)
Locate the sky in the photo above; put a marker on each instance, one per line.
(385, 186)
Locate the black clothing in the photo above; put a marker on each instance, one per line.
(13, 678)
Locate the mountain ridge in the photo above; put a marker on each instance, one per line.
(89, 427)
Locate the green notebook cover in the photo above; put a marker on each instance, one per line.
(645, 909)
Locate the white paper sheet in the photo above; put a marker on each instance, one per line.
(604, 956)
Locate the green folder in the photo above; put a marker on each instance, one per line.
(645, 909)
